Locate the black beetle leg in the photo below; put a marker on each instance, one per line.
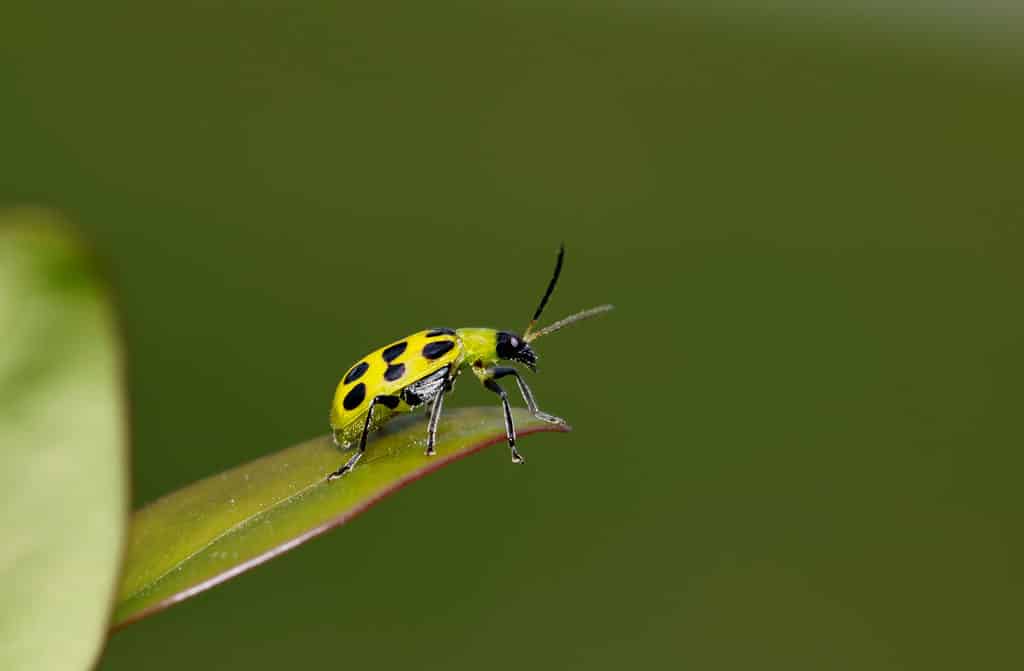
(531, 402)
(435, 417)
(510, 429)
(390, 401)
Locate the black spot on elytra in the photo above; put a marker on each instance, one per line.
(394, 371)
(395, 351)
(436, 349)
(354, 397)
(388, 401)
(356, 372)
(437, 332)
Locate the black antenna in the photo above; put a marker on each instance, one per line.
(547, 294)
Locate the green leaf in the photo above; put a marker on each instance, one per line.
(215, 529)
(63, 483)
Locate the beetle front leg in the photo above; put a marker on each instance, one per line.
(531, 403)
(510, 429)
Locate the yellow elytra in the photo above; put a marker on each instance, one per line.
(419, 370)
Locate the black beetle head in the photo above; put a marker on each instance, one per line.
(514, 348)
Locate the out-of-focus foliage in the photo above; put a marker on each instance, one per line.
(63, 487)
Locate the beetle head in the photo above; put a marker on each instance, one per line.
(514, 348)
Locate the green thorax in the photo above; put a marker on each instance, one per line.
(479, 345)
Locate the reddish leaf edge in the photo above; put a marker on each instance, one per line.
(329, 525)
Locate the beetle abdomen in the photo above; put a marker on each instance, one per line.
(387, 372)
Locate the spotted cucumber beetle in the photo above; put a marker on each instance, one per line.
(420, 369)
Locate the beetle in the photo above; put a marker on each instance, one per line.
(420, 369)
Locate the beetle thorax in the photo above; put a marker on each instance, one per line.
(479, 344)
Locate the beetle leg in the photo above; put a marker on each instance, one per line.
(531, 403)
(435, 417)
(390, 401)
(434, 411)
(510, 429)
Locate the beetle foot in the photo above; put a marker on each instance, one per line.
(349, 465)
(551, 419)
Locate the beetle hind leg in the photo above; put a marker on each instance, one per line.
(386, 400)
(349, 465)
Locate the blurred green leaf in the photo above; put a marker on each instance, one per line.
(215, 529)
(63, 485)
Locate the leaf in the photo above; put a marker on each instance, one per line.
(63, 483)
(217, 528)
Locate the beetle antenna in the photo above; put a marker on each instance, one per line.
(562, 323)
(547, 294)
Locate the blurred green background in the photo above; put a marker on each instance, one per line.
(797, 440)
